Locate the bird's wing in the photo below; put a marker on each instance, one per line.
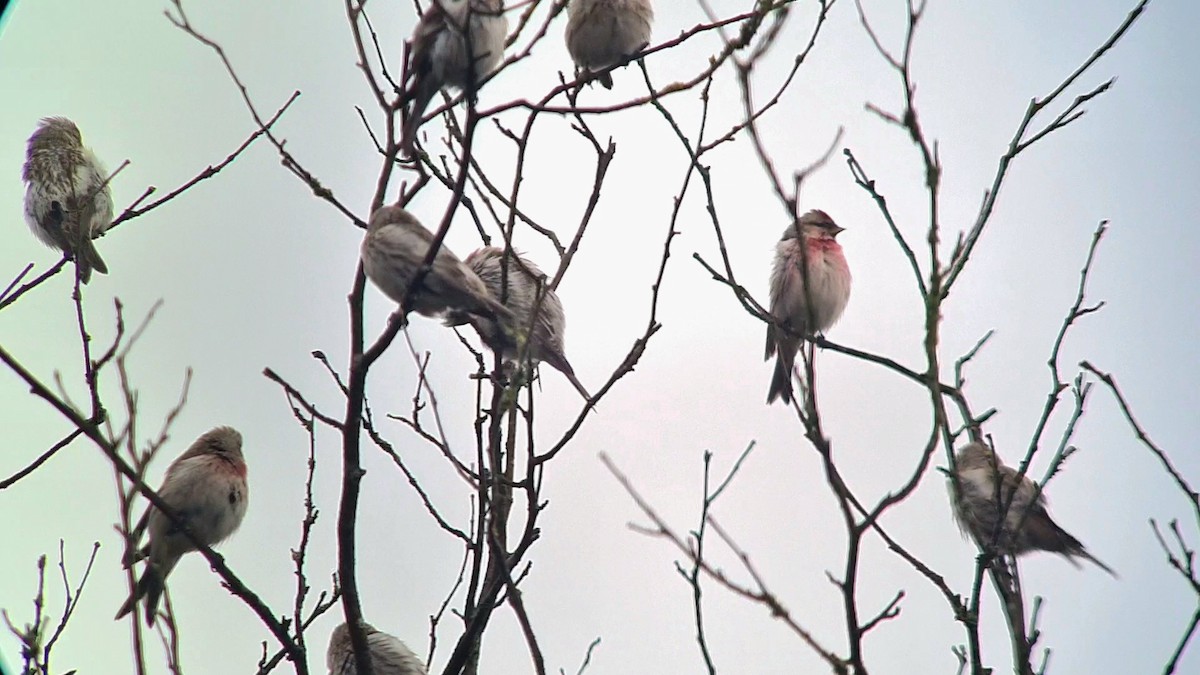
(420, 62)
(81, 210)
(392, 657)
(101, 196)
(1024, 486)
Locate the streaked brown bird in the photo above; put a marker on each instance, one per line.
(206, 487)
(439, 56)
(392, 252)
(1027, 525)
(67, 198)
(389, 656)
(808, 301)
(601, 33)
(523, 291)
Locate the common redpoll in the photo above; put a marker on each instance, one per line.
(521, 295)
(828, 290)
(206, 487)
(389, 656)
(392, 252)
(440, 57)
(67, 200)
(601, 33)
(1027, 526)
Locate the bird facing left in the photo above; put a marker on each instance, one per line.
(67, 198)
(1026, 526)
(206, 488)
(392, 252)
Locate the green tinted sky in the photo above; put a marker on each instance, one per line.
(253, 272)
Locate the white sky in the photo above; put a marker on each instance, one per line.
(254, 272)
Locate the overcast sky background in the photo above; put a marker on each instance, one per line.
(253, 271)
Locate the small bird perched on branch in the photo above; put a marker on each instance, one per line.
(439, 55)
(389, 656)
(523, 290)
(67, 200)
(1027, 526)
(206, 487)
(810, 286)
(601, 33)
(392, 252)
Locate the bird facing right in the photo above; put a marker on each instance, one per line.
(389, 656)
(601, 33)
(825, 284)
(393, 250)
(440, 57)
(206, 487)
(67, 200)
(977, 510)
(520, 290)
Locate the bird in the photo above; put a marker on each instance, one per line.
(805, 302)
(392, 251)
(440, 56)
(520, 291)
(389, 656)
(206, 487)
(67, 198)
(1027, 525)
(601, 33)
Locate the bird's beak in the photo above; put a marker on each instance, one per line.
(944, 471)
(838, 229)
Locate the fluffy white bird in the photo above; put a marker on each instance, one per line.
(206, 487)
(389, 656)
(828, 290)
(67, 199)
(392, 251)
(455, 44)
(520, 290)
(1027, 525)
(601, 33)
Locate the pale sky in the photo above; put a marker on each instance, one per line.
(253, 272)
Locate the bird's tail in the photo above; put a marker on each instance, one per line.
(781, 381)
(577, 384)
(1088, 556)
(88, 259)
(150, 587)
(559, 362)
(421, 96)
(1043, 533)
